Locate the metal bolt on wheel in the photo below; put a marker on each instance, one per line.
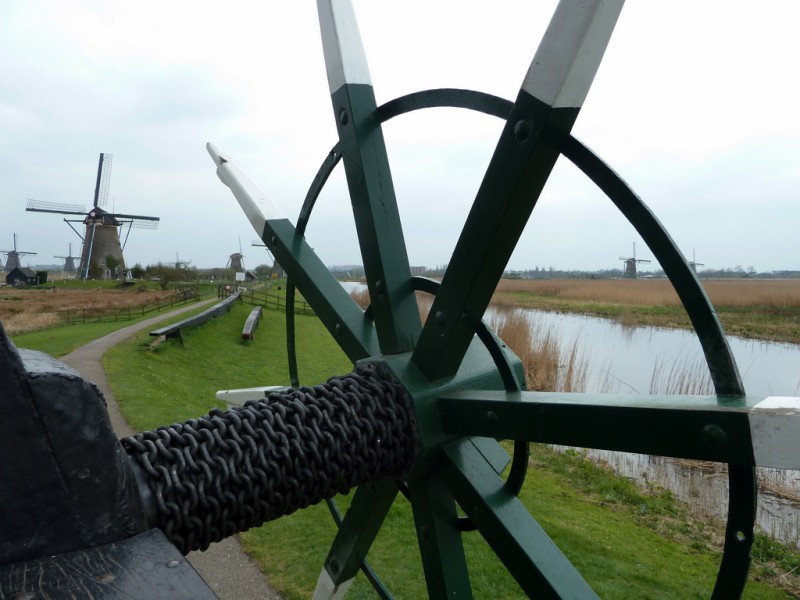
(465, 387)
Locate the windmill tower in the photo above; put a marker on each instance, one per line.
(277, 270)
(181, 264)
(236, 260)
(629, 271)
(69, 261)
(101, 238)
(694, 264)
(12, 262)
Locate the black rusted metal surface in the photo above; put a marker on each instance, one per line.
(65, 483)
(144, 566)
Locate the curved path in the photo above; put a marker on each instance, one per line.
(224, 566)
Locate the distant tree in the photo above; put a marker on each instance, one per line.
(112, 264)
(166, 274)
(42, 276)
(263, 271)
(137, 272)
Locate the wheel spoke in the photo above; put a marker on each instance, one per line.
(549, 101)
(439, 539)
(340, 314)
(369, 179)
(530, 555)
(371, 503)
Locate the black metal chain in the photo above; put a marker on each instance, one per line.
(231, 470)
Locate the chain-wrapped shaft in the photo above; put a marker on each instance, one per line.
(231, 470)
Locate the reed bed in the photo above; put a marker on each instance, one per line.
(549, 366)
(681, 377)
(766, 293)
(25, 311)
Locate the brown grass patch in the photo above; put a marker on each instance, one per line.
(24, 311)
(774, 293)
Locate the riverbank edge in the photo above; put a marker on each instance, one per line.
(757, 323)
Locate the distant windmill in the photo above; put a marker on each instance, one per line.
(69, 261)
(12, 262)
(101, 238)
(276, 270)
(630, 264)
(694, 264)
(236, 260)
(181, 264)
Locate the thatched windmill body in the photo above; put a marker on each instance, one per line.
(102, 229)
(630, 264)
(12, 260)
(69, 261)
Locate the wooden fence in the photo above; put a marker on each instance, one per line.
(274, 302)
(75, 316)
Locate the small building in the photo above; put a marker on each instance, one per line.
(22, 276)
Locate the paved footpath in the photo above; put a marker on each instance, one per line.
(224, 566)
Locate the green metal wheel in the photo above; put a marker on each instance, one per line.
(466, 386)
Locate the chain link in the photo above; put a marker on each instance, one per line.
(232, 470)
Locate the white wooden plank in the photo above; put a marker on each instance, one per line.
(258, 208)
(345, 60)
(570, 51)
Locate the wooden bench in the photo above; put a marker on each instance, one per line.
(174, 330)
(251, 323)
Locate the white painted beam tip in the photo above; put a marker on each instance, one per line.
(257, 207)
(345, 59)
(328, 590)
(570, 52)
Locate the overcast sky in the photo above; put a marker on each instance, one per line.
(695, 105)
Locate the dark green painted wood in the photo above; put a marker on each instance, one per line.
(332, 304)
(529, 554)
(719, 357)
(376, 582)
(325, 170)
(739, 535)
(684, 427)
(440, 545)
(517, 173)
(371, 503)
(380, 233)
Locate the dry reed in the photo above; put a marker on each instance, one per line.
(548, 366)
(681, 378)
(24, 311)
(26, 322)
(770, 293)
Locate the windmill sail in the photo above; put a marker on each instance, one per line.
(103, 179)
(102, 250)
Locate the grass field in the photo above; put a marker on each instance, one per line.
(767, 309)
(628, 542)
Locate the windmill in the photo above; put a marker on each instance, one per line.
(181, 264)
(69, 261)
(236, 260)
(630, 264)
(276, 270)
(101, 238)
(12, 262)
(694, 264)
